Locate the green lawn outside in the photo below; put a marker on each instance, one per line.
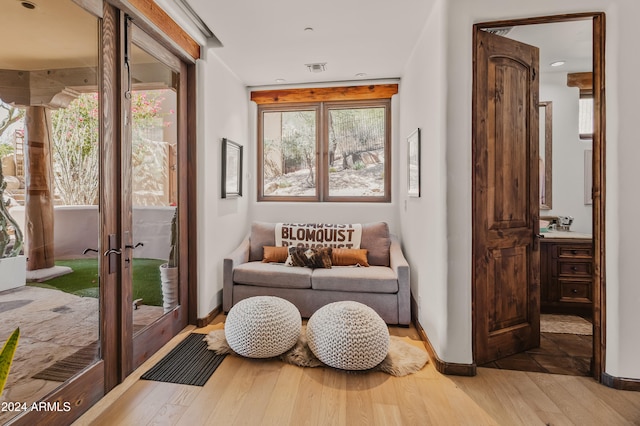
(84, 279)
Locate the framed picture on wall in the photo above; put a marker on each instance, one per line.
(231, 169)
(413, 164)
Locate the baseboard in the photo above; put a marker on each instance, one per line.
(203, 322)
(621, 383)
(443, 367)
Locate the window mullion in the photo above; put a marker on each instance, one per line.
(323, 172)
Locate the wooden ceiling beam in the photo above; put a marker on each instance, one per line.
(158, 20)
(325, 94)
(14, 87)
(582, 80)
(53, 88)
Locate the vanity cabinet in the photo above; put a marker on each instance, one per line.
(566, 276)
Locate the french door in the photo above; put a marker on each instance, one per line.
(152, 197)
(129, 98)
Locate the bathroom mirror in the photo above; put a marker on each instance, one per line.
(546, 144)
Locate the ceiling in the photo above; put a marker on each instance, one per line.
(266, 40)
(55, 34)
(566, 41)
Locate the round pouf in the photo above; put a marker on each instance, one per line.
(348, 335)
(262, 327)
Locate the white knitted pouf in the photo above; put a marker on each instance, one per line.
(262, 326)
(348, 335)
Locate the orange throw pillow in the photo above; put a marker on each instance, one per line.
(349, 257)
(275, 254)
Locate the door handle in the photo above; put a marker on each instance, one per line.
(129, 246)
(536, 233)
(113, 262)
(112, 251)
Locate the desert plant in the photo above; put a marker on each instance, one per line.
(5, 149)
(5, 221)
(6, 357)
(359, 165)
(173, 254)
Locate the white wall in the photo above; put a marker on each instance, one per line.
(222, 223)
(423, 221)
(568, 152)
(622, 171)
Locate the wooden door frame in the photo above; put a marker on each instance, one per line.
(599, 138)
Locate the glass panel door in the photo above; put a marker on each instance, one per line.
(150, 164)
(154, 192)
(50, 281)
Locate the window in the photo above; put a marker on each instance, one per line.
(585, 116)
(325, 151)
(584, 82)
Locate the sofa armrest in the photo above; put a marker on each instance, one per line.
(400, 266)
(237, 257)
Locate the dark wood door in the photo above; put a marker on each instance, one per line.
(506, 256)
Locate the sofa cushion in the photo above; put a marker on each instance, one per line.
(376, 239)
(319, 257)
(262, 234)
(275, 254)
(272, 275)
(374, 279)
(349, 257)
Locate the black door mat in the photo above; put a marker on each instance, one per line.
(189, 363)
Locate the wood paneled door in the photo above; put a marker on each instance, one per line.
(506, 252)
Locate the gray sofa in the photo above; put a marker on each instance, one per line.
(384, 286)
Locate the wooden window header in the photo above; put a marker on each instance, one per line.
(158, 17)
(325, 94)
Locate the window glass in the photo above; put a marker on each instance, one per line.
(356, 152)
(289, 149)
(49, 187)
(585, 117)
(324, 151)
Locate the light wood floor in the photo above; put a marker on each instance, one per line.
(259, 392)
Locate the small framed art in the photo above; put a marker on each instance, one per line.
(231, 169)
(413, 164)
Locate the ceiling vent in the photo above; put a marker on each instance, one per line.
(501, 31)
(319, 67)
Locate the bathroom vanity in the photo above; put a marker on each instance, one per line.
(566, 272)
